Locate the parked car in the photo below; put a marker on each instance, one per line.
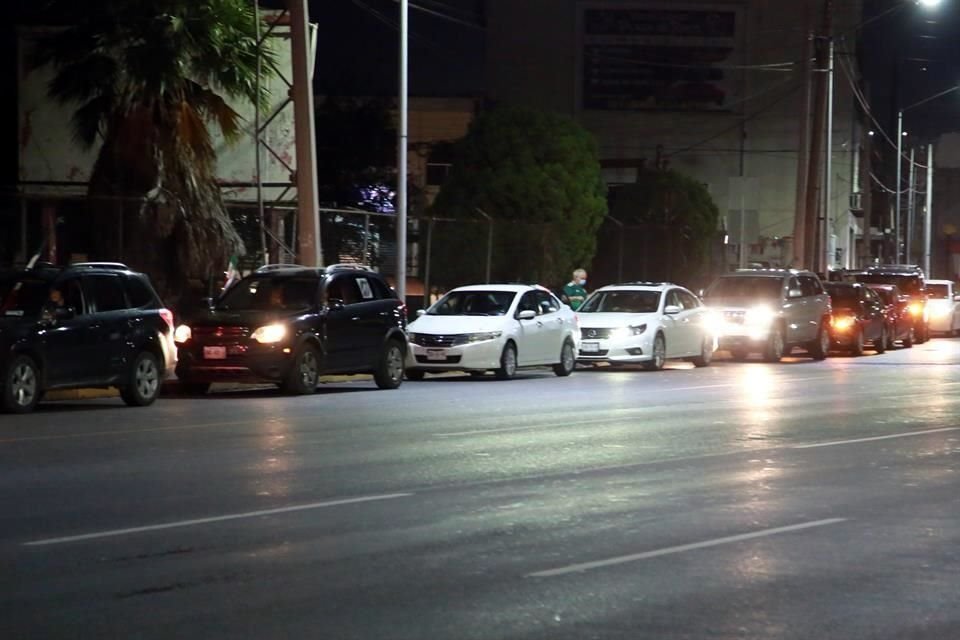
(289, 324)
(857, 318)
(943, 306)
(898, 318)
(494, 327)
(646, 323)
(910, 279)
(86, 325)
(771, 311)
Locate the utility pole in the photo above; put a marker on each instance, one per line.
(308, 206)
(911, 208)
(928, 217)
(800, 219)
(402, 160)
(816, 147)
(828, 171)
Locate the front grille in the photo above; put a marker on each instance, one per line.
(220, 332)
(432, 340)
(594, 354)
(448, 360)
(594, 334)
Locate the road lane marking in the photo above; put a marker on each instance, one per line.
(586, 566)
(232, 516)
(908, 434)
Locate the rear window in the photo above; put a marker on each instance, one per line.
(909, 284)
(844, 297)
(938, 291)
(22, 297)
(746, 287)
(106, 292)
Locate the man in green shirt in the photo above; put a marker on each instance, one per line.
(575, 292)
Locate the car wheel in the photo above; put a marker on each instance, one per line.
(21, 386)
(568, 361)
(143, 381)
(820, 347)
(659, 354)
(880, 344)
(706, 353)
(389, 373)
(773, 351)
(910, 339)
(304, 373)
(415, 374)
(891, 336)
(508, 362)
(856, 349)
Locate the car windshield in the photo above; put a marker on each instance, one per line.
(886, 295)
(939, 291)
(622, 302)
(908, 283)
(756, 287)
(270, 293)
(21, 297)
(473, 303)
(844, 297)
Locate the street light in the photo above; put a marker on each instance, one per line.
(930, 4)
(900, 135)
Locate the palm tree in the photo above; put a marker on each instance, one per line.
(148, 79)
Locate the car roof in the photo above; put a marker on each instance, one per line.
(513, 288)
(640, 286)
(939, 281)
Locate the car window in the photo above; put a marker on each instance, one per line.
(673, 299)
(473, 303)
(810, 286)
(139, 293)
(688, 300)
(270, 293)
(938, 291)
(546, 302)
(380, 289)
(528, 302)
(621, 302)
(72, 295)
(345, 289)
(363, 286)
(105, 293)
(752, 287)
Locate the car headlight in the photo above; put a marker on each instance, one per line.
(759, 316)
(842, 323)
(626, 332)
(270, 334)
(483, 336)
(182, 334)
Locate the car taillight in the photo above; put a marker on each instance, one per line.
(167, 316)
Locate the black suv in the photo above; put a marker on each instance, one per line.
(86, 325)
(289, 324)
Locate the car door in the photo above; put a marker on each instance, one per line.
(111, 322)
(71, 344)
(553, 328)
(372, 312)
(532, 341)
(675, 325)
(815, 300)
(342, 333)
(694, 317)
(873, 313)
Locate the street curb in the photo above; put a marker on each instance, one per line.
(171, 388)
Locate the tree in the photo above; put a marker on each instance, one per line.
(148, 80)
(537, 174)
(675, 210)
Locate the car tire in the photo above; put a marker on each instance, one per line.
(774, 349)
(856, 349)
(820, 347)
(659, 354)
(910, 339)
(415, 374)
(880, 344)
(389, 373)
(305, 372)
(143, 381)
(706, 354)
(21, 385)
(508, 362)
(891, 336)
(568, 360)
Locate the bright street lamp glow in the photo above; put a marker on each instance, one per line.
(930, 4)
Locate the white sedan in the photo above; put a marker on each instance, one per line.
(493, 327)
(645, 323)
(943, 307)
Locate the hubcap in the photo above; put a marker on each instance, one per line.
(23, 384)
(777, 344)
(308, 368)
(824, 341)
(394, 363)
(509, 361)
(659, 352)
(567, 356)
(147, 378)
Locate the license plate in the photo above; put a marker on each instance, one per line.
(590, 347)
(214, 353)
(436, 354)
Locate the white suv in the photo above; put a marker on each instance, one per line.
(943, 307)
(645, 323)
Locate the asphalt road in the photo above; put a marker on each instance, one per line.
(802, 500)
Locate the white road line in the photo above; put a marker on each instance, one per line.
(232, 516)
(909, 434)
(586, 566)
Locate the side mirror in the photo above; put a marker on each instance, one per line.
(795, 293)
(701, 293)
(672, 309)
(527, 314)
(956, 298)
(420, 312)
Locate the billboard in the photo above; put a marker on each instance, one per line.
(51, 162)
(659, 55)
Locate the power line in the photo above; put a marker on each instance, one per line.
(445, 16)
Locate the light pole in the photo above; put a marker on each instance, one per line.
(402, 161)
(898, 186)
